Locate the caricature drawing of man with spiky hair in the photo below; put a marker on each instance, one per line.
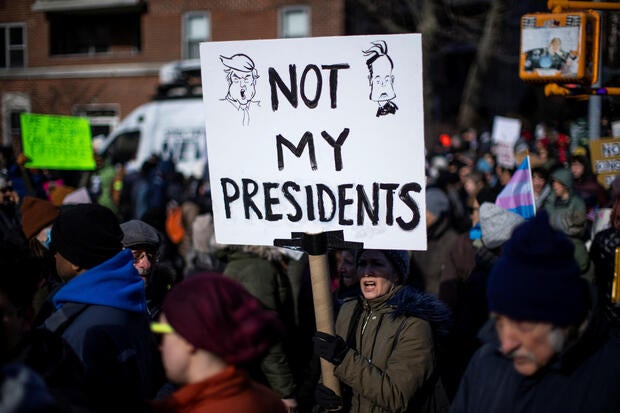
(380, 77)
(241, 75)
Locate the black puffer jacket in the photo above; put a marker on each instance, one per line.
(602, 253)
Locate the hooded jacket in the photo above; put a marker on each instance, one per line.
(391, 363)
(101, 314)
(259, 270)
(574, 202)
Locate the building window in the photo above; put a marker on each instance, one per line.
(12, 45)
(15, 122)
(111, 33)
(13, 104)
(124, 148)
(196, 29)
(295, 21)
(103, 118)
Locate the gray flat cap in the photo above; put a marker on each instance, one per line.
(138, 233)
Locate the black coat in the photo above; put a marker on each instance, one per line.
(583, 378)
(602, 253)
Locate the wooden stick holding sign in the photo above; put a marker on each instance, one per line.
(323, 310)
(317, 245)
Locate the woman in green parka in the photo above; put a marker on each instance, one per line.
(384, 349)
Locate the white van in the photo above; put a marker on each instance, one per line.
(171, 126)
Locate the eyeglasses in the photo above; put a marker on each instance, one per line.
(6, 189)
(138, 255)
(161, 328)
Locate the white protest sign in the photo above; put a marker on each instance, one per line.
(505, 133)
(615, 129)
(302, 137)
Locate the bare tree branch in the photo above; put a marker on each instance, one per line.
(470, 103)
(386, 22)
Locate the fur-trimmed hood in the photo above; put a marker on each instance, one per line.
(411, 302)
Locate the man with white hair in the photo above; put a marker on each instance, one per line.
(145, 241)
(548, 346)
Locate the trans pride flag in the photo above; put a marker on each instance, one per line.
(518, 195)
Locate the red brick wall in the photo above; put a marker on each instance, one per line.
(58, 96)
(162, 26)
(161, 42)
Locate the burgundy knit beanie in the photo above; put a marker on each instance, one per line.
(217, 314)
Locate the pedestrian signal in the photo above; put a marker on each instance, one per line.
(559, 47)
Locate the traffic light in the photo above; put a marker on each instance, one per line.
(560, 47)
(578, 90)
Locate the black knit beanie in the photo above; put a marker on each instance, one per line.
(537, 278)
(398, 258)
(86, 234)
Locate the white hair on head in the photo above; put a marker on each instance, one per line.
(557, 338)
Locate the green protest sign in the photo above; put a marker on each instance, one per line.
(57, 142)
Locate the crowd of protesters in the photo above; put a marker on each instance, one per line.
(115, 296)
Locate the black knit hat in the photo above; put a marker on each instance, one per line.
(537, 278)
(86, 234)
(398, 258)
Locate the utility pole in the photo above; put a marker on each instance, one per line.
(595, 90)
(595, 102)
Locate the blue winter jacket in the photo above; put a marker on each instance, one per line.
(101, 314)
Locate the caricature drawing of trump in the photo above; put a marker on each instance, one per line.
(380, 77)
(241, 75)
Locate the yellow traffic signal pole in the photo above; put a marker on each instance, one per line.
(594, 92)
(557, 6)
(577, 91)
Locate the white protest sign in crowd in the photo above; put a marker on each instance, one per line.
(317, 134)
(506, 132)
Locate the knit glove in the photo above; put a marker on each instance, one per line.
(330, 348)
(327, 399)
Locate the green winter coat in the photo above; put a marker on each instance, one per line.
(553, 205)
(259, 270)
(391, 366)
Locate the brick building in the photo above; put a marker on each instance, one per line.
(102, 58)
